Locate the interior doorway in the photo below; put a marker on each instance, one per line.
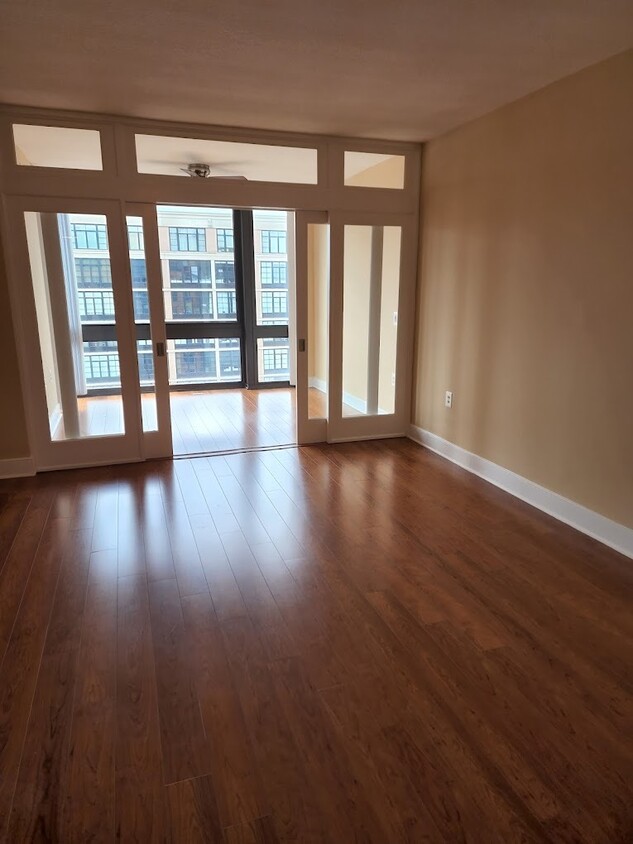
(227, 280)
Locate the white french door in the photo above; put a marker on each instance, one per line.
(72, 294)
(355, 302)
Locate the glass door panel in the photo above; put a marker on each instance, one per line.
(371, 281)
(312, 309)
(72, 288)
(77, 343)
(372, 295)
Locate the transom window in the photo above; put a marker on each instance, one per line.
(273, 272)
(274, 242)
(183, 239)
(90, 236)
(225, 240)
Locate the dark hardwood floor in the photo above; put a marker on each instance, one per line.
(327, 644)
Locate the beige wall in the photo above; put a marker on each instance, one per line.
(43, 309)
(13, 437)
(526, 288)
(318, 287)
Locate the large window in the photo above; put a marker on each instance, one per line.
(190, 272)
(274, 241)
(183, 239)
(225, 240)
(90, 236)
(273, 272)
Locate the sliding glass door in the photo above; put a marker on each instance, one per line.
(355, 301)
(224, 281)
(77, 331)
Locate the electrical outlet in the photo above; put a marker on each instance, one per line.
(393, 379)
(448, 399)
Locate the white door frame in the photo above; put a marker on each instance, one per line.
(156, 443)
(308, 430)
(92, 450)
(341, 428)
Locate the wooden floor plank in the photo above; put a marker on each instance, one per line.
(334, 643)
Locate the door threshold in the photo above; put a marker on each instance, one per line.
(242, 450)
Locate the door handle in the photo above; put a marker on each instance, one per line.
(301, 345)
(160, 350)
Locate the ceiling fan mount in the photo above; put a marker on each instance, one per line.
(197, 170)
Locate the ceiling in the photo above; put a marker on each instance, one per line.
(396, 69)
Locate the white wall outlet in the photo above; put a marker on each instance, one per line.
(448, 399)
(393, 379)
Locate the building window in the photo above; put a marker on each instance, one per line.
(225, 273)
(187, 239)
(139, 272)
(101, 364)
(195, 366)
(93, 272)
(90, 236)
(226, 304)
(275, 360)
(273, 242)
(135, 239)
(274, 304)
(225, 240)
(190, 272)
(141, 304)
(96, 305)
(189, 304)
(273, 272)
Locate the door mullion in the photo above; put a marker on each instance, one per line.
(245, 278)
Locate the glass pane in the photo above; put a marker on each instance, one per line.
(197, 257)
(374, 170)
(136, 247)
(318, 292)
(56, 146)
(204, 361)
(74, 303)
(271, 234)
(226, 159)
(371, 285)
(273, 358)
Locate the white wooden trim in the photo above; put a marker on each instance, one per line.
(610, 533)
(18, 467)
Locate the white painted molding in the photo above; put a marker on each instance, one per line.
(610, 533)
(20, 467)
(317, 384)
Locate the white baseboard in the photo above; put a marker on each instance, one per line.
(317, 384)
(610, 533)
(20, 467)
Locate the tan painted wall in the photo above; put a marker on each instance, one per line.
(43, 309)
(318, 288)
(526, 288)
(13, 437)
